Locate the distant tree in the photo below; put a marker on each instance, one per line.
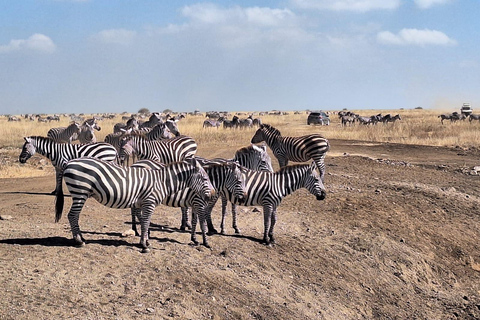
(144, 111)
(419, 108)
(167, 111)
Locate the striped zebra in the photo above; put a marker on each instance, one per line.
(297, 149)
(267, 189)
(64, 134)
(252, 157)
(61, 153)
(87, 133)
(164, 151)
(121, 188)
(225, 175)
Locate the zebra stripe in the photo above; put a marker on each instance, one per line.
(225, 175)
(120, 188)
(164, 151)
(297, 149)
(60, 153)
(267, 189)
(64, 134)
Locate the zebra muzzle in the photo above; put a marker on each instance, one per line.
(321, 196)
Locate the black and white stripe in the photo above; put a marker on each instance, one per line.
(164, 151)
(225, 175)
(297, 149)
(61, 153)
(133, 187)
(64, 134)
(267, 189)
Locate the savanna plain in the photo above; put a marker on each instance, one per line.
(397, 236)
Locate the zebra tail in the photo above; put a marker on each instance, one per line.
(59, 202)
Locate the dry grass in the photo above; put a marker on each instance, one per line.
(420, 127)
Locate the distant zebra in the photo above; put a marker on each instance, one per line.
(225, 175)
(64, 134)
(298, 149)
(61, 153)
(120, 188)
(132, 124)
(234, 123)
(87, 133)
(164, 151)
(210, 123)
(267, 189)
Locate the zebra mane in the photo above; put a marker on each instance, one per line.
(271, 129)
(41, 138)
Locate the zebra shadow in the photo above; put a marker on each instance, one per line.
(32, 193)
(47, 242)
(117, 243)
(241, 236)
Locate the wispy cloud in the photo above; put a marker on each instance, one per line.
(348, 5)
(116, 36)
(36, 42)
(415, 37)
(425, 4)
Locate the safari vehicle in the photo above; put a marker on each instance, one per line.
(466, 109)
(318, 117)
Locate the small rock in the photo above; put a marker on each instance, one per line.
(378, 191)
(128, 233)
(5, 217)
(255, 210)
(151, 310)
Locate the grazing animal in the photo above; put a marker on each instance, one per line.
(164, 151)
(61, 153)
(210, 123)
(234, 123)
(64, 134)
(298, 149)
(224, 175)
(474, 117)
(120, 188)
(267, 189)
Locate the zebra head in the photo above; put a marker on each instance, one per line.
(172, 126)
(126, 148)
(314, 183)
(199, 181)
(265, 133)
(28, 150)
(235, 180)
(262, 159)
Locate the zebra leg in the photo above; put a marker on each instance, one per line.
(193, 236)
(73, 217)
(224, 214)
(185, 223)
(202, 210)
(147, 211)
(273, 220)
(136, 213)
(267, 217)
(234, 219)
(208, 216)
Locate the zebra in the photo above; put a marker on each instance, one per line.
(164, 151)
(224, 175)
(234, 123)
(61, 153)
(64, 134)
(210, 123)
(267, 189)
(86, 134)
(298, 149)
(132, 124)
(121, 188)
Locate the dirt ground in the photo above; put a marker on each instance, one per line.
(396, 238)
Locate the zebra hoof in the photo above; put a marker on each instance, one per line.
(79, 244)
(194, 243)
(206, 245)
(145, 250)
(237, 231)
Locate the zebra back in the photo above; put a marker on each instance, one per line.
(64, 134)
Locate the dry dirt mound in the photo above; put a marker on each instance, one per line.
(396, 238)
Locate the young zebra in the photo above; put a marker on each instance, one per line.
(64, 134)
(224, 175)
(267, 189)
(121, 188)
(164, 151)
(298, 149)
(61, 153)
(87, 133)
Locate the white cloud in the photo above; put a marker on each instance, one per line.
(425, 4)
(212, 14)
(116, 36)
(36, 42)
(348, 5)
(415, 37)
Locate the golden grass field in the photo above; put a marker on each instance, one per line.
(419, 127)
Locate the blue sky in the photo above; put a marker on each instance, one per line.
(112, 56)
